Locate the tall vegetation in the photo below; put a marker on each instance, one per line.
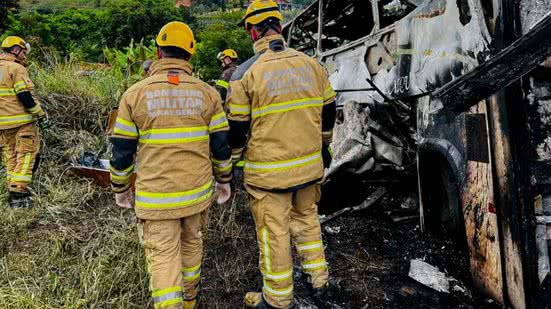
(121, 32)
(86, 31)
(6, 8)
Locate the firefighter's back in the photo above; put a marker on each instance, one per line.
(286, 90)
(172, 112)
(13, 78)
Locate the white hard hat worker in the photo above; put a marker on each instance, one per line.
(16, 46)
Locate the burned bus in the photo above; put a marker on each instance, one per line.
(472, 80)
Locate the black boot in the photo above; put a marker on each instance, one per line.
(20, 200)
(324, 297)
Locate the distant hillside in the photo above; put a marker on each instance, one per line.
(56, 5)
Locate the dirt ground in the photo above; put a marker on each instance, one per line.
(369, 256)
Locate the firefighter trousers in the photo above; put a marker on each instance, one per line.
(174, 250)
(280, 218)
(20, 148)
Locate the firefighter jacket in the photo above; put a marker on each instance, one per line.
(174, 126)
(223, 83)
(17, 107)
(279, 101)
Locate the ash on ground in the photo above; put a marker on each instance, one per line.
(369, 253)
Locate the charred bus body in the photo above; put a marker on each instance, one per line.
(483, 165)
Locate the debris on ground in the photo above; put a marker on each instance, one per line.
(429, 275)
(371, 200)
(404, 218)
(370, 254)
(332, 230)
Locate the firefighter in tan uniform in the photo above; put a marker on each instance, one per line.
(19, 114)
(280, 102)
(228, 60)
(172, 132)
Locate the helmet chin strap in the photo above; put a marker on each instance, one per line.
(16, 54)
(256, 36)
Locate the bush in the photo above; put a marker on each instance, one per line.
(127, 64)
(85, 32)
(218, 32)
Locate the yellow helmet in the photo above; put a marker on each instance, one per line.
(227, 53)
(260, 10)
(12, 41)
(177, 34)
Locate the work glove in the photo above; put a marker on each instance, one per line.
(223, 192)
(43, 122)
(327, 155)
(125, 199)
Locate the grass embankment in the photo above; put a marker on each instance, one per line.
(76, 249)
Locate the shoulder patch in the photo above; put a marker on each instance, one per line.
(173, 78)
(244, 67)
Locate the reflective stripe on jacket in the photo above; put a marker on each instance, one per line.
(14, 79)
(223, 83)
(173, 117)
(279, 94)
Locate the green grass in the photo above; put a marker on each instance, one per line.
(76, 249)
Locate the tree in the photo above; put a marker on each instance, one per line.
(7, 7)
(222, 34)
(124, 20)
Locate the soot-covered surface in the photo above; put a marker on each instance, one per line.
(370, 256)
(368, 252)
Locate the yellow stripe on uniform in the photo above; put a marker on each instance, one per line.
(125, 128)
(218, 121)
(7, 92)
(277, 292)
(222, 83)
(287, 164)
(222, 166)
(121, 177)
(20, 86)
(167, 297)
(191, 273)
(238, 109)
(174, 135)
(310, 246)
(126, 171)
(16, 119)
(175, 199)
(329, 94)
(309, 266)
(280, 276)
(35, 110)
(19, 177)
(266, 248)
(286, 106)
(26, 164)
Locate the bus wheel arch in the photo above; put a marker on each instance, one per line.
(440, 187)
